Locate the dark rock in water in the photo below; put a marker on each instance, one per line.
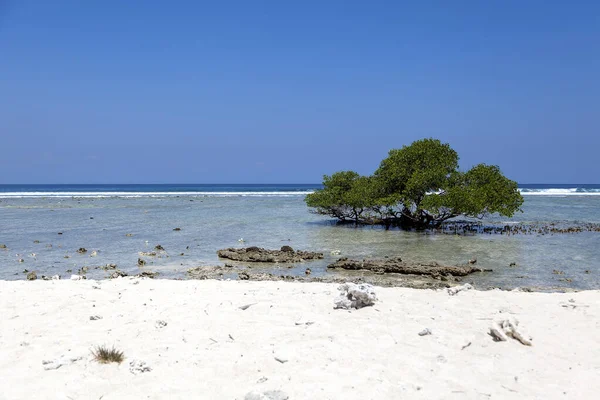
(158, 247)
(117, 274)
(148, 274)
(141, 262)
(32, 276)
(60, 233)
(287, 249)
(243, 276)
(256, 254)
(82, 250)
(396, 265)
(207, 272)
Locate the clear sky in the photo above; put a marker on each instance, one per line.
(102, 91)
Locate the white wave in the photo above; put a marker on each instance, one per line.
(560, 192)
(15, 195)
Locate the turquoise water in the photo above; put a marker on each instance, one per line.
(212, 217)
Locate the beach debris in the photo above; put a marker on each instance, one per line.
(354, 295)
(558, 272)
(307, 271)
(512, 264)
(32, 276)
(307, 323)
(141, 262)
(59, 362)
(138, 367)
(281, 360)
(117, 274)
(21, 260)
(94, 253)
(473, 260)
(108, 267)
(147, 253)
(241, 240)
(268, 395)
(83, 270)
(425, 332)
(158, 247)
(396, 265)
(257, 254)
(3, 246)
(36, 241)
(502, 330)
(82, 250)
(176, 229)
(128, 234)
(160, 324)
(453, 291)
(262, 380)
(148, 274)
(247, 306)
(95, 317)
(465, 346)
(55, 277)
(77, 277)
(335, 252)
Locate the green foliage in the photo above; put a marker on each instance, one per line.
(417, 186)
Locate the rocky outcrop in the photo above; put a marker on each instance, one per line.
(257, 254)
(396, 265)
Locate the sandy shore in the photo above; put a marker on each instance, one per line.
(291, 340)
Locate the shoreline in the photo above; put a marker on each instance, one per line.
(208, 342)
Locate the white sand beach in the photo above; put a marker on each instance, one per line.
(291, 343)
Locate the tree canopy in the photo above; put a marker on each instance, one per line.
(417, 186)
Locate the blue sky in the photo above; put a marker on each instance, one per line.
(284, 92)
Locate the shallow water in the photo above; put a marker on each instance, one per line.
(211, 222)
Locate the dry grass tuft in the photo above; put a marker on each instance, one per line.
(104, 355)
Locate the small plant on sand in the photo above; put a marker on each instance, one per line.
(104, 355)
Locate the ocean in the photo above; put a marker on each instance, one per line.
(119, 221)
